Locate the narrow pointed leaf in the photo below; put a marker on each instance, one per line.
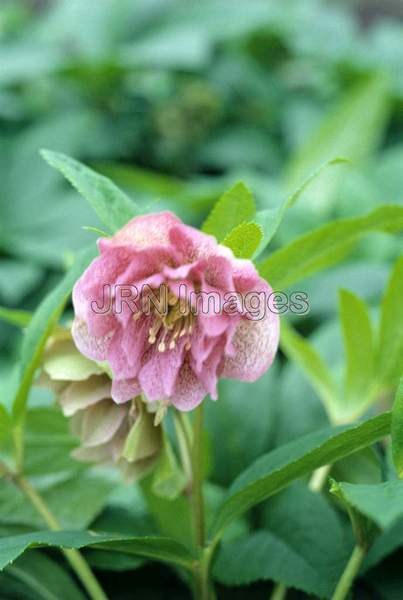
(326, 246)
(390, 350)
(156, 548)
(277, 469)
(270, 218)
(352, 129)
(397, 430)
(40, 327)
(299, 350)
(13, 316)
(112, 206)
(359, 352)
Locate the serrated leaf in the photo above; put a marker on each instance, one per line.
(153, 547)
(390, 351)
(359, 352)
(397, 430)
(13, 316)
(277, 469)
(40, 327)
(112, 206)
(235, 206)
(244, 239)
(299, 350)
(326, 246)
(301, 546)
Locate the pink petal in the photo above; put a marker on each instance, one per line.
(210, 369)
(192, 244)
(189, 392)
(158, 376)
(145, 231)
(124, 390)
(255, 344)
(91, 346)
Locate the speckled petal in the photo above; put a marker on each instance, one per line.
(189, 391)
(124, 390)
(144, 231)
(255, 344)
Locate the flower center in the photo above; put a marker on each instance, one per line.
(175, 322)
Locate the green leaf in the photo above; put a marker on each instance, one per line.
(244, 239)
(382, 502)
(279, 468)
(301, 546)
(359, 351)
(45, 577)
(365, 531)
(270, 219)
(112, 206)
(326, 246)
(352, 129)
(19, 318)
(397, 430)
(299, 350)
(40, 327)
(233, 208)
(153, 547)
(390, 350)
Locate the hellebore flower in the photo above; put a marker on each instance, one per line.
(175, 356)
(119, 434)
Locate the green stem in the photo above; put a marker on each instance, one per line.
(74, 557)
(350, 573)
(197, 478)
(202, 588)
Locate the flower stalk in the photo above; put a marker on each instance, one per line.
(202, 586)
(350, 573)
(197, 480)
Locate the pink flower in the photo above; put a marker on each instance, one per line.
(177, 356)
